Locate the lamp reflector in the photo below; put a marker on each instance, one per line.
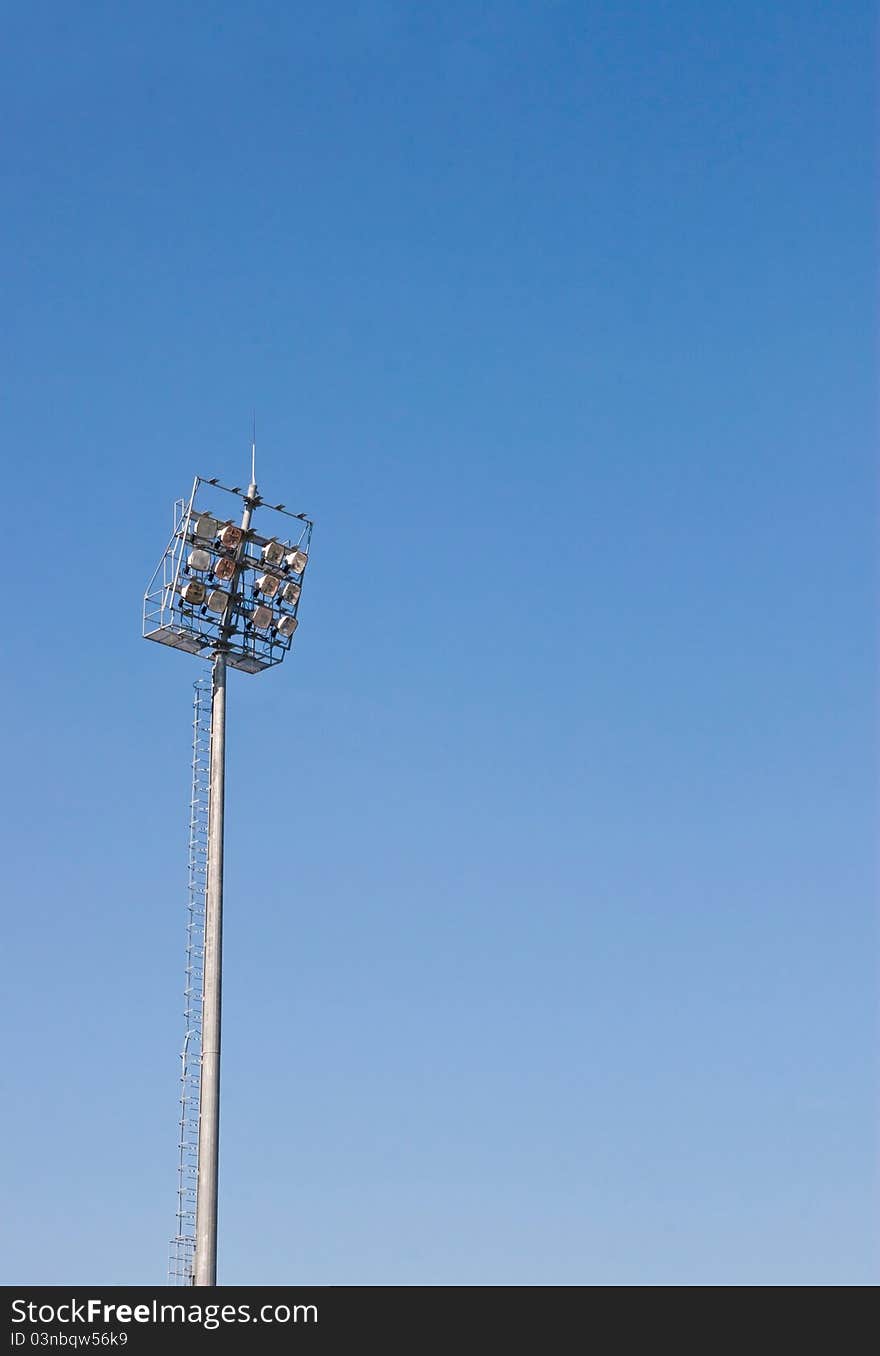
(273, 553)
(205, 527)
(225, 568)
(261, 616)
(217, 600)
(231, 536)
(193, 592)
(268, 584)
(287, 626)
(290, 593)
(297, 561)
(199, 559)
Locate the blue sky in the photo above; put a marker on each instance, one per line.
(551, 944)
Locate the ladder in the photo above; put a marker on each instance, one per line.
(182, 1248)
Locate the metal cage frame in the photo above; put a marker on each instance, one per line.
(171, 620)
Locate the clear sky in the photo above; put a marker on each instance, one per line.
(550, 869)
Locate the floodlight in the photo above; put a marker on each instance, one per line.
(217, 600)
(290, 593)
(205, 527)
(273, 553)
(287, 625)
(193, 592)
(296, 560)
(231, 536)
(199, 559)
(225, 568)
(262, 616)
(268, 584)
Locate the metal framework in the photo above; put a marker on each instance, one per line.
(224, 605)
(183, 1244)
(224, 592)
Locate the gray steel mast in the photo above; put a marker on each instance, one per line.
(251, 633)
(205, 1263)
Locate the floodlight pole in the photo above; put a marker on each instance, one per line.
(205, 1260)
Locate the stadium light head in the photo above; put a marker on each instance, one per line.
(231, 536)
(193, 592)
(221, 588)
(205, 528)
(296, 561)
(268, 584)
(273, 553)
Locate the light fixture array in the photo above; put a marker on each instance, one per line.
(220, 588)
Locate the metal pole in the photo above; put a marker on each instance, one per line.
(205, 1264)
(205, 1261)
